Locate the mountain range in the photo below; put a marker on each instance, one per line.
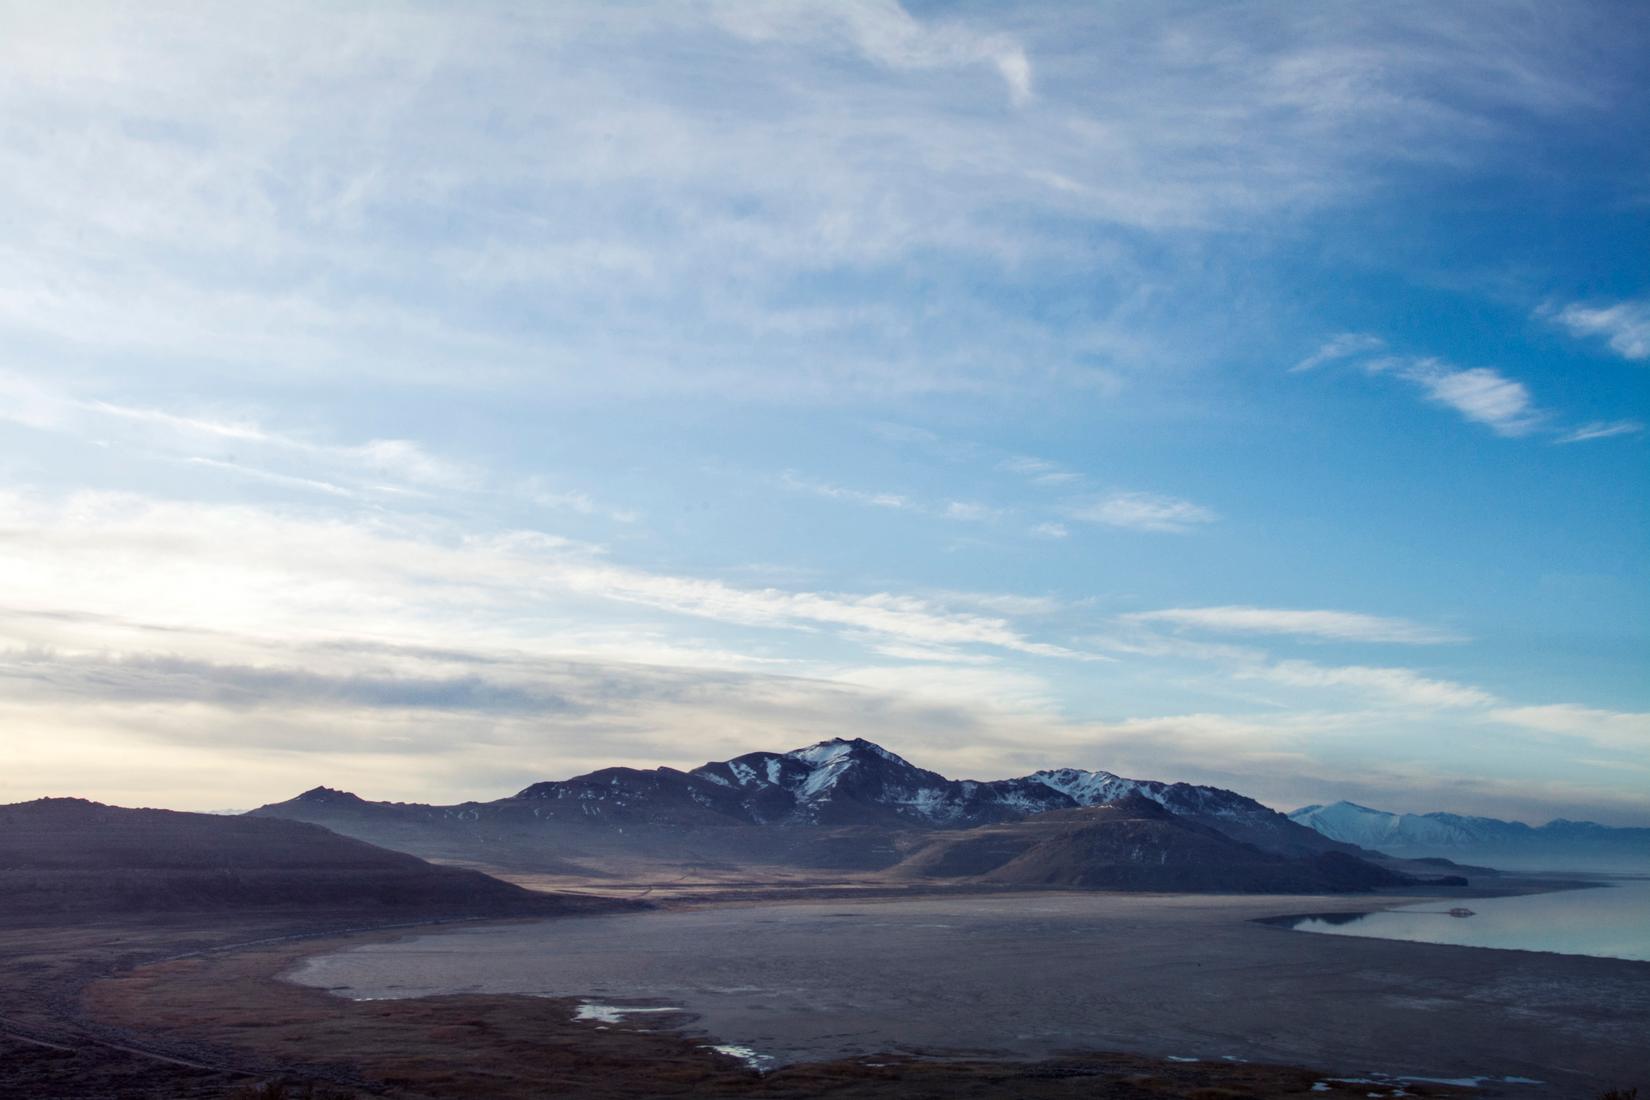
(1558, 844)
(853, 806)
(836, 784)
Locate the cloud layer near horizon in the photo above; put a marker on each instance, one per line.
(416, 659)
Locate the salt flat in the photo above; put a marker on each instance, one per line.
(1029, 975)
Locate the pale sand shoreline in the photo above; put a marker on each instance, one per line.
(1032, 975)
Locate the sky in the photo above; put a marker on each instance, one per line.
(426, 400)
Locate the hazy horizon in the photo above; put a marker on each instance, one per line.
(428, 402)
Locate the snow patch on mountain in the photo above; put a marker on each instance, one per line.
(847, 781)
(1088, 788)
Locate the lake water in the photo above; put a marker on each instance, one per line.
(1029, 976)
(1608, 921)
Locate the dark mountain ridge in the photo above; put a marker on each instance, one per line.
(69, 855)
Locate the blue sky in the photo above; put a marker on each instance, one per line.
(427, 401)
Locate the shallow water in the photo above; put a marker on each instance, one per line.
(1192, 978)
(1607, 921)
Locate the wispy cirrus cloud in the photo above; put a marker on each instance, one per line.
(272, 477)
(1346, 626)
(243, 446)
(718, 153)
(1039, 471)
(795, 483)
(298, 568)
(1400, 686)
(1338, 347)
(1137, 511)
(970, 511)
(1616, 729)
(1601, 429)
(963, 511)
(372, 463)
(1623, 325)
(887, 34)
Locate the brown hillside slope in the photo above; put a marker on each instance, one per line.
(1130, 844)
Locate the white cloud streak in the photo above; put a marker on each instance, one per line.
(1343, 346)
(1137, 511)
(962, 511)
(794, 483)
(316, 574)
(1479, 394)
(1348, 626)
(886, 33)
(970, 511)
(369, 464)
(1601, 429)
(1039, 471)
(1400, 686)
(377, 471)
(1627, 731)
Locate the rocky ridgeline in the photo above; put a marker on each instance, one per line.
(837, 783)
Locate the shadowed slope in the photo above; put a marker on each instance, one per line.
(68, 855)
(1131, 844)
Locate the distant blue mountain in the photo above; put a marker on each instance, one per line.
(1558, 844)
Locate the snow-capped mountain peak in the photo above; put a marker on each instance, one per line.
(829, 761)
(1086, 788)
(824, 753)
(855, 781)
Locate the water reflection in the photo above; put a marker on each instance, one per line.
(1612, 921)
